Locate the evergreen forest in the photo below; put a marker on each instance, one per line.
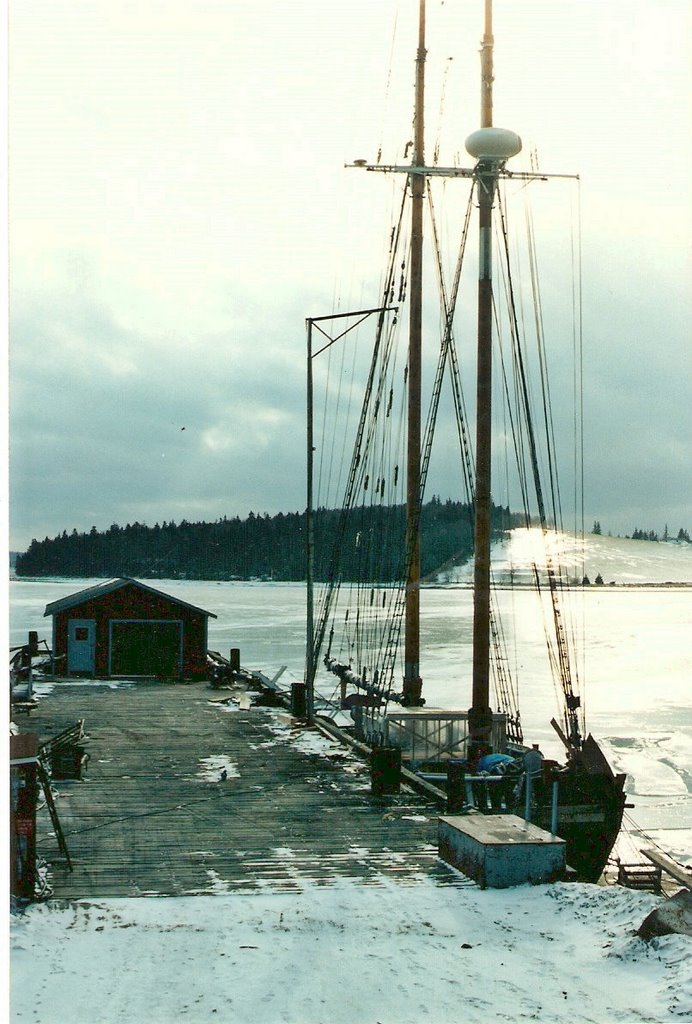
(370, 543)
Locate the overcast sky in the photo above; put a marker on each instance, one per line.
(179, 205)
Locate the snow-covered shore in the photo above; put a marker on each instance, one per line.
(392, 953)
(350, 953)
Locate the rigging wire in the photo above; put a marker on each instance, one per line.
(367, 479)
(366, 432)
(324, 498)
(551, 447)
(578, 399)
(558, 652)
(504, 686)
(396, 619)
(518, 422)
(522, 447)
(388, 83)
(443, 94)
(448, 352)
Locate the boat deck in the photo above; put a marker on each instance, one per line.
(153, 816)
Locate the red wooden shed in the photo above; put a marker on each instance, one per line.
(124, 628)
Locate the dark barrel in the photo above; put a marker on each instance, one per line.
(299, 705)
(385, 770)
(456, 787)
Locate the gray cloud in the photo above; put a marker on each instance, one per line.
(110, 426)
(175, 215)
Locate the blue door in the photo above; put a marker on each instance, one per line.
(81, 646)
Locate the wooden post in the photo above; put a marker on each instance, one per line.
(310, 667)
(480, 715)
(412, 680)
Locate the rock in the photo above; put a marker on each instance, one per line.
(672, 916)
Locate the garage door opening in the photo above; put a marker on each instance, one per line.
(146, 648)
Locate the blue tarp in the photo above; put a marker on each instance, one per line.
(491, 762)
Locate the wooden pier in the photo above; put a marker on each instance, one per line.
(154, 814)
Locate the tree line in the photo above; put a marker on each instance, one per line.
(637, 534)
(370, 544)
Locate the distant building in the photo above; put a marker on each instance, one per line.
(124, 629)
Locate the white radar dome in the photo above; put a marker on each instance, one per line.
(493, 144)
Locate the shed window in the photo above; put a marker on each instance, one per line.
(81, 633)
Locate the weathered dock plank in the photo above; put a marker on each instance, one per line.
(153, 814)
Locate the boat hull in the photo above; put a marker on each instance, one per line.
(589, 816)
(590, 805)
(590, 801)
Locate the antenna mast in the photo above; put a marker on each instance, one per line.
(487, 68)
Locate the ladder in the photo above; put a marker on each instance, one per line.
(52, 810)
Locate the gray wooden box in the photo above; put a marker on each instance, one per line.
(499, 851)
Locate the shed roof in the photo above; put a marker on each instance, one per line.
(101, 589)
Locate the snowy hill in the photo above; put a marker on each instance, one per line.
(618, 560)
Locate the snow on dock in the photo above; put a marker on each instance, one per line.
(304, 898)
(182, 798)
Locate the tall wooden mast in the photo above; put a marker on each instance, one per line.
(412, 680)
(492, 147)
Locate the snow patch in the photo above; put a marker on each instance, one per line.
(212, 769)
(231, 704)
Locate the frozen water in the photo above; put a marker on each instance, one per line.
(634, 670)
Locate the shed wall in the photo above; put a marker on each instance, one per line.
(131, 603)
